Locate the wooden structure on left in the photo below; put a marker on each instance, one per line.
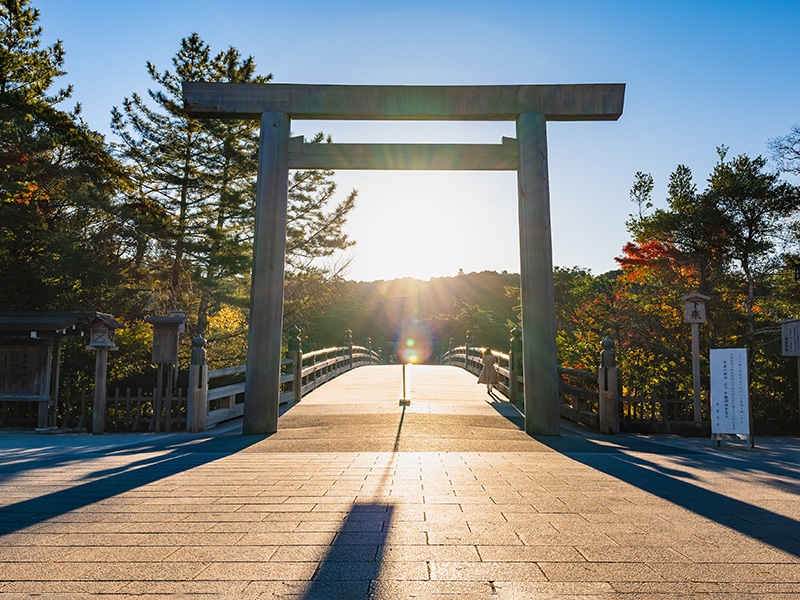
(30, 357)
(529, 106)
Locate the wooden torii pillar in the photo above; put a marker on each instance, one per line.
(530, 106)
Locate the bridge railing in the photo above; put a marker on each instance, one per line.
(323, 365)
(590, 397)
(300, 373)
(471, 359)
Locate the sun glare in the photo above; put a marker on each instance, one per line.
(427, 223)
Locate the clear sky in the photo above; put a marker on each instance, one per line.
(698, 74)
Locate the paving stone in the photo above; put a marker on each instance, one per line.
(392, 590)
(631, 554)
(118, 554)
(140, 571)
(264, 571)
(529, 554)
(466, 507)
(486, 571)
(335, 553)
(610, 571)
(209, 554)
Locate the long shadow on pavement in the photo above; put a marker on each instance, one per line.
(354, 560)
(355, 557)
(171, 455)
(675, 486)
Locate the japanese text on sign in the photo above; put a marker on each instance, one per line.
(790, 337)
(694, 311)
(730, 411)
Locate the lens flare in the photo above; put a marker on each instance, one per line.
(414, 344)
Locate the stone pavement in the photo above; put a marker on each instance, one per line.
(357, 498)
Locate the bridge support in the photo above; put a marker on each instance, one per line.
(263, 379)
(540, 363)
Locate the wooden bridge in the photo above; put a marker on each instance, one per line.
(359, 411)
(588, 397)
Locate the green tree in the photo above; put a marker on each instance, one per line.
(755, 205)
(193, 204)
(641, 196)
(168, 156)
(60, 244)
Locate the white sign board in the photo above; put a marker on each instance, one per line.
(790, 337)
(730, 411)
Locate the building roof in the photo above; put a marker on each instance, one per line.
(53, 322)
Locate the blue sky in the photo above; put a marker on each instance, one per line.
(698, 74)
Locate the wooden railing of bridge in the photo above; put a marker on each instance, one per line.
(300, 373)
(589, 397)
(578, 389)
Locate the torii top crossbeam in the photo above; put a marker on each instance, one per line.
(574, 102)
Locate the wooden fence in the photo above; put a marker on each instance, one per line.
(220, 391)
(125, 411)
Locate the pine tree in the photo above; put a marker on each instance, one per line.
(168, 154)
(59, 243)
(194, 199)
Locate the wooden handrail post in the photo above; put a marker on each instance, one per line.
(348, 342)
(450, 351)
(470, 340)
(197, 392)
(515, 365)
(295, 352)
(608, 395)
(369, 350)
(99, 404)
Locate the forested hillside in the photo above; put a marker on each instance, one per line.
(435, 310)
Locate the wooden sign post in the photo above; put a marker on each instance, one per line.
(790, 344)
(695, 313)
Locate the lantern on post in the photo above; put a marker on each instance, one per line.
(695, 314)
(101, 341)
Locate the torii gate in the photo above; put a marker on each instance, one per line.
(531, 106)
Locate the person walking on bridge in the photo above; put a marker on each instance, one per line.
(488, 373)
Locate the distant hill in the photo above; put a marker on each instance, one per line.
(435, 311)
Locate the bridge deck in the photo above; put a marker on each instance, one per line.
(408, 512)
(360, 412)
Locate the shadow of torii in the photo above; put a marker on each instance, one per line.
(627, 461)
(163, 457)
